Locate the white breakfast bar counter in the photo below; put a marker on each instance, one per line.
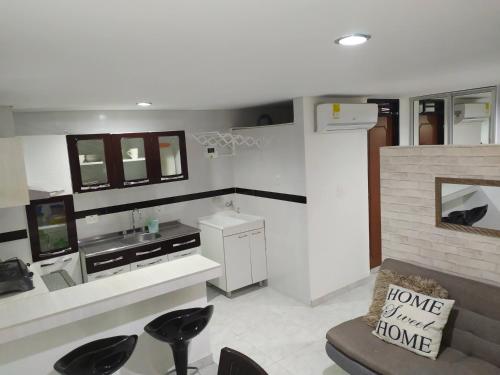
(37, 330)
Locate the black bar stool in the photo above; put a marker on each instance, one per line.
(232, 362)
(100, 357)
(177, 328)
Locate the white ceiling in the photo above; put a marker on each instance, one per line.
(199, 54)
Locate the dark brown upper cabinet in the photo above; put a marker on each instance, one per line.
(91, 162)
(169, 156)
(107, 161)
(52, 228)
(134, 159)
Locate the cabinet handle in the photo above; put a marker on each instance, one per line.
(147, 252)
(171, 178)
(184, 243)
(150, 263)
(130, 183)
(54, 253)
(107, 261)
(51, 264)
(95, 187)
(254, 233)
(243, 236)
(118, 271)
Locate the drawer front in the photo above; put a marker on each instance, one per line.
(108, 273)
(148, 262)
(107, 261)
(184, 243)
(183, 253)
(148, 251)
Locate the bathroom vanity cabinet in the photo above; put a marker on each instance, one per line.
(238, 243)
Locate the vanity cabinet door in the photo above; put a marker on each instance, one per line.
(237, 261)
(258, 255)
(91, 162)
(169, 158)
(134, 159)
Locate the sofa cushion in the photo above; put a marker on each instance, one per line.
(413, 321)
(474, 323)
(386, 277)
(354, 339)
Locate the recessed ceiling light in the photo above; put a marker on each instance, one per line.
(353, 39)
(144, 104)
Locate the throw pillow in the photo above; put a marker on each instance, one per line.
(413, 320)
(413, 282)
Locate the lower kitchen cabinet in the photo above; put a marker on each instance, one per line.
(69, 263)
(148, 262)
(98, 265)
(108, 273)
(242, 256)
(183, 253)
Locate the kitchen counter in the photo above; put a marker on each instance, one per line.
(114, 242)
(22, 317)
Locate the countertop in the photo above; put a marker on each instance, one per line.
(23, 317)
(110, 243)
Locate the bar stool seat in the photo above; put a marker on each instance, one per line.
(99, 357)
(178, 328)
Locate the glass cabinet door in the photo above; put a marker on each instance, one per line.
(90, 162)
(170, 155)
(133, 158)
(52, 227)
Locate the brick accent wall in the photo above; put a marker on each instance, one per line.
(408, 209)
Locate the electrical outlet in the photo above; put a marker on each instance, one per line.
(92, 219)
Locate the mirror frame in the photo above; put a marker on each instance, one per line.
(439, 181)
(449, 98)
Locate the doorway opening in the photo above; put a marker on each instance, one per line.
(384, 133)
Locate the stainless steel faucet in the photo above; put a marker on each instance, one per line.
(133, 220)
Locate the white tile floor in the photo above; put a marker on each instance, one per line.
(284, 336)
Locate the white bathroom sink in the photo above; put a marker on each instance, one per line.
(231, 222)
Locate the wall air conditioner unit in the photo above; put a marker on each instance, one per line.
(471, 112)
(345, 116)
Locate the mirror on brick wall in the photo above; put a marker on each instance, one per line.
(468, 205)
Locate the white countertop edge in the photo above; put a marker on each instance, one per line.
(24, 317)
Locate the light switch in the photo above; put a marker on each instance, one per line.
(92, 219)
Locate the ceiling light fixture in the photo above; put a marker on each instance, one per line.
(353, 39)
(144, 104)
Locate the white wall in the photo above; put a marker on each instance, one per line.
(6, 122)
(278, 167)
(337, 208)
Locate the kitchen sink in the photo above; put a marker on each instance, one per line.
(231, 222)
(142, 237)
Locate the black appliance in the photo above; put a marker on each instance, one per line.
(15, 276)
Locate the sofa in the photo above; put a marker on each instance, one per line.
(471, 338)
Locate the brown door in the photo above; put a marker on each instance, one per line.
(379, 136)
(431, 129)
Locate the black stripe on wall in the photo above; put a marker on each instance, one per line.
(272, 195)
(189, 197)
(14, 235)
(153, 203)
